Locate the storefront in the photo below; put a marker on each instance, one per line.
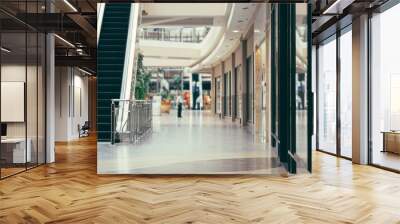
(384, 89)
(291, 96)
(365, 95)
(334, 94)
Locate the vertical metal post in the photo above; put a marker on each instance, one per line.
(129, 128)
(112, 122)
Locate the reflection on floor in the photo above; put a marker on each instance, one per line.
(8, 171)
(199, 143)
(386, 159)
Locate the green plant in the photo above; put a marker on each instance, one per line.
(177, 82)
(142, 80)
(165, 95)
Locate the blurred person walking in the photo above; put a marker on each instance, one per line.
(179, 102)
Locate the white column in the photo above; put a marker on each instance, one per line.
(50, 99)
(360, 90)
(314, 90)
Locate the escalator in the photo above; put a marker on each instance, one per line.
(111, 53)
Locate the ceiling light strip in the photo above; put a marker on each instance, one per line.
(71, 6)
(84, 71)
(327, 11)
(65, 41)
(5, 50)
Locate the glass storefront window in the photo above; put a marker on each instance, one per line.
(249, 89)
(346, 94)
(385, 89)
(327, 96)
(218, 95)
(301, 82)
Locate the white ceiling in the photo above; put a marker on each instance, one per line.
(163, 53)
(230, 23)
(241, 17)
(183, 14)
(184, 9)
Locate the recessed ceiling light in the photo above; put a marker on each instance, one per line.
(256, 31)
(236, 31)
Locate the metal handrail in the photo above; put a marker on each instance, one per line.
(174, 35)
(138, 121)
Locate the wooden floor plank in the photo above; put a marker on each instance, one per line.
(70, 191)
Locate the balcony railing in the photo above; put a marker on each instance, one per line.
(186, 35)
(131, 120)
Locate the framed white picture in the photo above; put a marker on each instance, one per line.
(12, 101)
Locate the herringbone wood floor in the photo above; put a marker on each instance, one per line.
(69, 191)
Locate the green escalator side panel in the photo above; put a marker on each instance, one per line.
(110, 63)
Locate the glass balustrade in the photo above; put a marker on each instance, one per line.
(187, 35)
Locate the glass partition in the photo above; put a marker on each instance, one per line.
(327, 96)
(15, 151)
(31, 97)
(22, 90)
(385, 89)
(41, 97)
(301, 83)
(184, 34)
(346, 93)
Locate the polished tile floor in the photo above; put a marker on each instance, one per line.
(199, 143)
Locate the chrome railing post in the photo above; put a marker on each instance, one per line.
(137, 123)
(130, 106)
(112, 122)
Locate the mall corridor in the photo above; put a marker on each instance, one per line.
(198, 143)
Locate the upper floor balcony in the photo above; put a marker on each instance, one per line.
(184, 34)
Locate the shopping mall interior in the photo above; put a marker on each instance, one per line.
(226, 112)
(191, 55)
